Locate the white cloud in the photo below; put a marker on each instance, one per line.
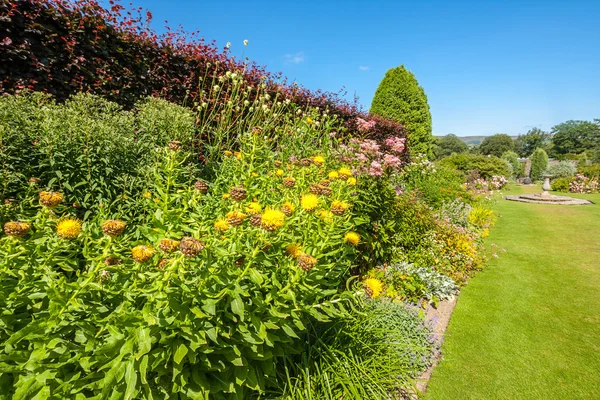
(295, 58)
(364, 67)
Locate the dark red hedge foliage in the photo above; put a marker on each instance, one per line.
(64, 47)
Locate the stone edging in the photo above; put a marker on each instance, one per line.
(439, 318)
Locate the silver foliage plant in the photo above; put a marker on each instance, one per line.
(438, 285)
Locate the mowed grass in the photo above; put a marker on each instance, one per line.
(528, 326)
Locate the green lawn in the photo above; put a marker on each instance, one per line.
(528, 326)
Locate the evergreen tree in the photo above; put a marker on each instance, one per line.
(400, 98)
(539, 163)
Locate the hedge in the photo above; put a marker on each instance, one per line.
(65, 47)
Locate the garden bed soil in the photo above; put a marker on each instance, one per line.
(439, 318)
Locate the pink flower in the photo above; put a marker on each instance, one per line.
(369, 147)
(396, 143)
(375, 169)
(391, 161)
(363, 125)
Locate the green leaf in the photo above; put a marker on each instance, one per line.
(130, 380)
(237, 307)
(181, 351)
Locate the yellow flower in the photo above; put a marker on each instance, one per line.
(309, 202)
(50, 199)
(288, 208)
(325, 215)
(253, 208)
(293, 250)
(221, 225)
(147, 195)
(272, 219)
(238, 155)
(339, 207)
(279, 172)
(351, 181)
(142, 253)
(227, 153)
(374, 287)
(68, 228)
(254, 174)
(225, 196)
(319, 160)
(345, 172)
(352, 237)
(235, 218)
(309, 120)
(333, 175)
(168, 245)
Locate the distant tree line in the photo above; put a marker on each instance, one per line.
(568, 140)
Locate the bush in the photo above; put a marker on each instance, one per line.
(426, 241)
(488, 166)
(590, 170)
(513, 160)
(88, 148)
(435, 184)
(561, 184)
(400, 98)
(582, 184)
(539, 163)
(409, 283)
(562, 169)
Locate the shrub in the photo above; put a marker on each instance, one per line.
(426, 241)
(589, 170)
(368, 356)
(513, 160)
(409, 283)
(435, 184)
(88, 148)
(582, 184)
(562, 169)
(487, 166)
(400, 98)
(561, 184)
(539, 163)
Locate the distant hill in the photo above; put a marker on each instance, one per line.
(474, 140)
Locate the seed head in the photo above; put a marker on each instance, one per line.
(142, 253)
(16, 229)
(190, 246)
(50, 199)
(113, 227)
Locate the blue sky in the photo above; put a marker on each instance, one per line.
(487, 66)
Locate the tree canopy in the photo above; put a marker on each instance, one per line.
(534, 138)
(496, 145)
(575, 137)
(448, 145)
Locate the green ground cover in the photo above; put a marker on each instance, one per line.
(528, 326)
